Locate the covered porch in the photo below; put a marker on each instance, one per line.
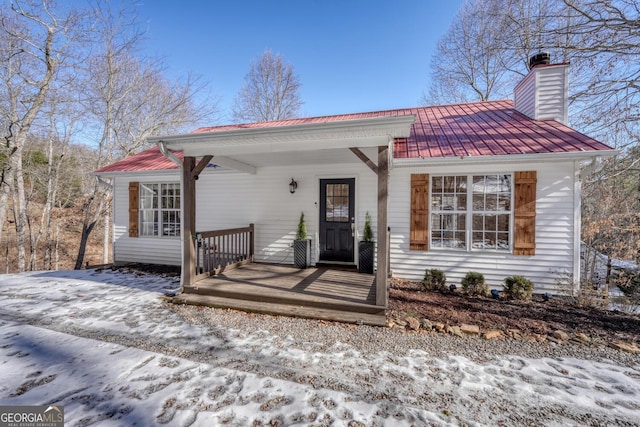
(316, 146)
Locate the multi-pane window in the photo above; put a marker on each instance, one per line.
(491, 212)
(160, 209)
(449, 207)
(337, 203)
(471, 211)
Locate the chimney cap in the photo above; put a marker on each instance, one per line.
(541, 58)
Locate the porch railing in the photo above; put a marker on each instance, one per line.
(221, 250)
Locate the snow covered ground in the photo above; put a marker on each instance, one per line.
(106, 346)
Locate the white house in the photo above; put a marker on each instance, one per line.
(492, 187)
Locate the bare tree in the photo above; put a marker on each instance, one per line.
(605, 45)
(34, 39)
(271, 91)
(469, 63)
(128, 99)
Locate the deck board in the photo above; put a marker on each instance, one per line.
(324, 293)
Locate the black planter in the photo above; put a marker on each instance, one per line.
(302, 253)
(365, 257)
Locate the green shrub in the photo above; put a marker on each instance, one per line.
(301, 232)
(434, 280)
(473, 284)
(367, 232)
(518, 287)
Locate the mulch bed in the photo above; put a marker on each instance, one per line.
(529, 317)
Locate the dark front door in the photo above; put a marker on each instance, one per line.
(337, 219)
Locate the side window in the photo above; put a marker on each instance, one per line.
(159, 209)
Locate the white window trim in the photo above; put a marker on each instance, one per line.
(469, 215)
(159, 210)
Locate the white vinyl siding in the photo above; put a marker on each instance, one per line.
(554, 230)
(230, 199)
(142, 249)
(543, 93)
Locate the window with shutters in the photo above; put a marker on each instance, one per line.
(471, 212)
(159, 209)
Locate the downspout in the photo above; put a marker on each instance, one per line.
(169, 154)
(107, 221)
(588, 168)
(582, 170)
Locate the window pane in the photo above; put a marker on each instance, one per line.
(149, 223)
(436, 184)
(171, 223)
(491, 202)
(148, 196)
(436, 202)
(478, 202)
(449, 184)
(461, 184)
(337, 203)
(503, 223)
(504, 202)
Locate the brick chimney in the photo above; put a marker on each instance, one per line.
(543, 93)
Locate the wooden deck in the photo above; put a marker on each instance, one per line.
(318, 293)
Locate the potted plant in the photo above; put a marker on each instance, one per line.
(301, 245)
(366, 247)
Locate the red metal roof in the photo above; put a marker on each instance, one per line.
(490, 128)
(147, 160)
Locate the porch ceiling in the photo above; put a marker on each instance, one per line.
(297, 144)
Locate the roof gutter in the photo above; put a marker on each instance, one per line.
(504, 158)
(168, 154)
(587, 169)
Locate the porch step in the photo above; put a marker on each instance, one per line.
(285, 298)
(292, 310)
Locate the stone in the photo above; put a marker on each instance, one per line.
(489, 335)
(584, 338)
(400, 323)
(454, 330)
(470, 329)
(439, 326)
(426, 324)
(560, 335)
(514, 333)
(629, 347)
(412, 323)
(390, 323)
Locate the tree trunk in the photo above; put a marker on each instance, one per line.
(20, 208)
(89, 223)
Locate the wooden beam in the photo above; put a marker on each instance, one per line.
(204, 161)
(188, 221)
(236, 165)
(382, 273)
(366, 160)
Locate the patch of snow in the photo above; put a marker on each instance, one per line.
(51, 351)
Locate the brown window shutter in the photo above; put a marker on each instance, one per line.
(524, 233)
(134, 203)
(419, 227)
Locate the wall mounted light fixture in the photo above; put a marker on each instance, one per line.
(293, 185)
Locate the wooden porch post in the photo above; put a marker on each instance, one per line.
(188, 221)
(382, 273)
(190, 172)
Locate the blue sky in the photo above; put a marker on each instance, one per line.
(350, 55)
